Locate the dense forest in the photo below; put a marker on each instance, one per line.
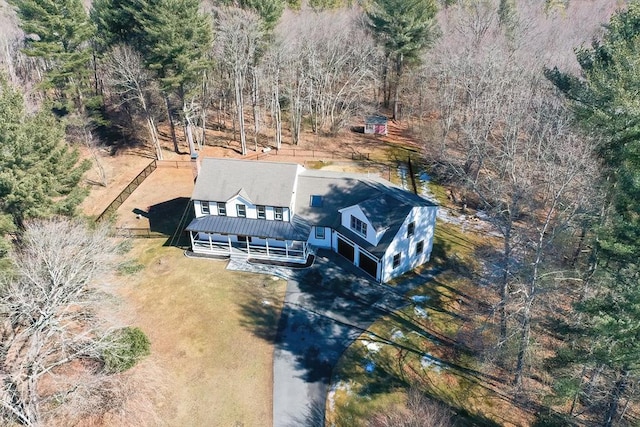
(526, 110)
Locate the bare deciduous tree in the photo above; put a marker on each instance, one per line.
(53, 339)
(238, 35)
(419, 411)
(507, 139)
(132, 83)
(330, 62)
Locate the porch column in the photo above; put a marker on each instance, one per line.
(248, 250)
(266, 244)
(286, 249)
(192, 241)
(230, 248)
(210, 242)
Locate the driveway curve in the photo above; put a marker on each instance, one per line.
(327, 306)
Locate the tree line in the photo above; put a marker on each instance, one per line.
(278, 62)
(547, 149)
(542, 140)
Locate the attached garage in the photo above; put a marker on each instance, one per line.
(346, 249)
(368, 264)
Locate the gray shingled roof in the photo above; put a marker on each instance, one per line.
(376, 120)
(337, 190)
(264, 183)
(384, 204)
(297, 229)
(273, 184)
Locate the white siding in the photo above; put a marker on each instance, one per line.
(251, 209)
(321, 243)
(197, 208)
(357, 212)
(232, 209)
(424, 219)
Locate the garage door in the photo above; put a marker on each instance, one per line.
(345, 249)
(369, 265)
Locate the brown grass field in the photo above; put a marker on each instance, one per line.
(216, 364)
(218, 370)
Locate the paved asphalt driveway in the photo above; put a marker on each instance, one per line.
(326, 307)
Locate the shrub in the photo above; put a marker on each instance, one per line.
(129, 345)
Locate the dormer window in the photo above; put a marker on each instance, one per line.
(241, 210)
(358, 226)
(262, 212)
(222, 209)
(277, 213)
(205, 208)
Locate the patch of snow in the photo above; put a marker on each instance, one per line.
(369, 366)
(266, 302)
(396, 335)
(482, 215)
(418, 299)
(336, 387)
(420, 312)
(427, 361)
(402, 174)
(372, 347)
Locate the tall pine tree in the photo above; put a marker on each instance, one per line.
(39, 173)
(174, 38)
(404, 28)
(605, 101)
(58, 32)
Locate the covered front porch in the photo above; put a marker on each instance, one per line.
(249, 247)
(250, 238)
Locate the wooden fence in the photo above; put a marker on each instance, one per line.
(307, 154)
(135, 183)
(145, 233)
(175, 163)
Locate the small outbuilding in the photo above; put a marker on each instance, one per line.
(376, 125)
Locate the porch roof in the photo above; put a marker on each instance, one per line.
(297, 229)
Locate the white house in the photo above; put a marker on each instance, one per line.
(282, 212)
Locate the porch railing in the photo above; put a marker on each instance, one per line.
(297, 251)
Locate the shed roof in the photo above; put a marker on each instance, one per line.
(263, 183)
(376, 120)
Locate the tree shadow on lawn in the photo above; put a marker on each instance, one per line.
(335, 306)
(333, 309)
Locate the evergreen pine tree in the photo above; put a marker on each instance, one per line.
(606, 105)
(404, 28)
(59, 31)
(39, 173)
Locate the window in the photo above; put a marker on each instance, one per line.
(205, 208)
(316, 201)
(396, 260)
(411, 228)
(241, 210)
(419, 247)
(278, 214)
(262, 212)
(358, 226)
(320, 233)
(222, 209)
